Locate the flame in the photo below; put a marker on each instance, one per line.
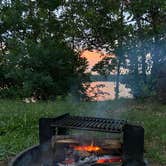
(88, 148)
(109, 160)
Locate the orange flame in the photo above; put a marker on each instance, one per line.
(87, 148)
(111, 160)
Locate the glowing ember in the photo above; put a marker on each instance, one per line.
(109, 160)
(69, 161)
(89, 148)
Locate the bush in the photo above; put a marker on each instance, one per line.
(44, 70)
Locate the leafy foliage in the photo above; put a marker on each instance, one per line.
(130, 30)
(134, 31)
(36, 60)
(105, 66)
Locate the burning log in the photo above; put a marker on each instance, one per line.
(93, 161)
(63, 139)
(111, 144)
(78, 150)
(108, 159)
(88, 148)
(84, 151)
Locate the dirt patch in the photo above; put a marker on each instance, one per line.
(154, 164)
(3, 163)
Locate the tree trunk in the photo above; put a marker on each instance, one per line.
(144, 67)
(117, 80)
(142, 51)
(120, 52)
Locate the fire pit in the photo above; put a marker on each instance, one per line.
(83, 150)
(59, 148)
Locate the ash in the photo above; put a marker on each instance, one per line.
(82, 158)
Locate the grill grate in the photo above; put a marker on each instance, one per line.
(89, 123)
(133, 136)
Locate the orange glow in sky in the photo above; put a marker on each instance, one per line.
(93, 57)
(95, 90)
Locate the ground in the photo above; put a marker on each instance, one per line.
(19, 122)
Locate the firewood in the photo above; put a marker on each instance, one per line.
(111, 144)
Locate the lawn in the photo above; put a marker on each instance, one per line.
(19, 122)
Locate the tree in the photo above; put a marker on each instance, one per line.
(148, 30)
(38, 61)
(106, 66)
(103, 27)
(130, 30)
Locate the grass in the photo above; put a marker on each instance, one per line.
(153, 118)
(19, 122)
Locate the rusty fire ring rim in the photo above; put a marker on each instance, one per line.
(19, 155)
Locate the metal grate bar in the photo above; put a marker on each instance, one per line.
(89, 123)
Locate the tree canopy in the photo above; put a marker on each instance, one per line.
(35, 58)
(41, 41)
(134, 31)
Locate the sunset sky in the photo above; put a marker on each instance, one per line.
(93, 57)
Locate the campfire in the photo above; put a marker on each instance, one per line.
(109, 160)
(86, 151)
(58, 147)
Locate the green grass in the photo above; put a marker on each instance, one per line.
(153, 118)
(19, 122)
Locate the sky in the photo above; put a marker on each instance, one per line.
(94, 57)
